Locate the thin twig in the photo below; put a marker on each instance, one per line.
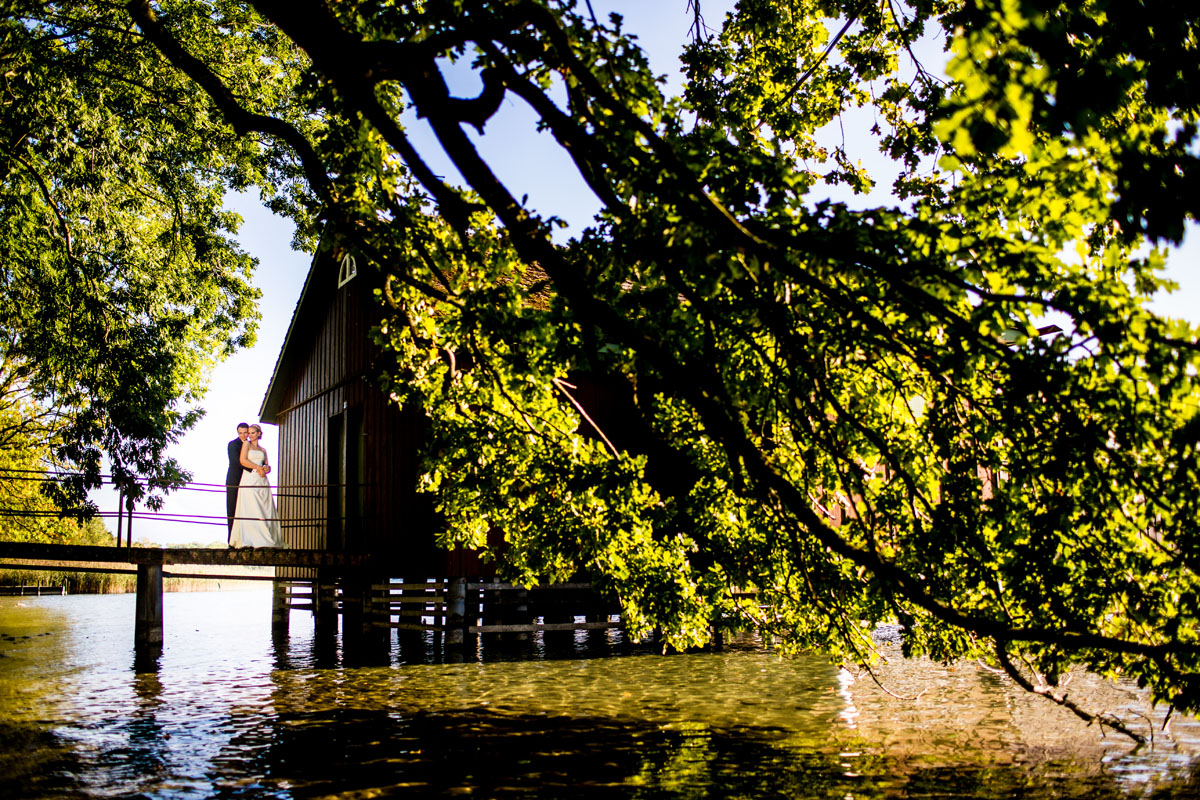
(1062, 700)
(562, 385)
(884, 689)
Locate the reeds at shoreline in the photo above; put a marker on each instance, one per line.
(101, 578)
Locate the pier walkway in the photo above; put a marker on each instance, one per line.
(352, 584)
(165, 556)
(148, 627)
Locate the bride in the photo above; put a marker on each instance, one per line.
(255, 523)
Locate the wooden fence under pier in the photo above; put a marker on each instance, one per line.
(457, 607)
(32, 591)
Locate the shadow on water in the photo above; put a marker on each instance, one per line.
(351, 752)
(35, 762)
(231, 710)
(356, 753)
(147, 660)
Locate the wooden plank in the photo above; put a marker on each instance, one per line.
(405, 587)
(68, 568)
(267, 557)
(502, 587)
(552, 626)
(220, 577)
(408, 626)
(114, 571)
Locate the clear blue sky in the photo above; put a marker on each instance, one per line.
(531, 163)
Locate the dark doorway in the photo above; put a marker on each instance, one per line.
(346, 492)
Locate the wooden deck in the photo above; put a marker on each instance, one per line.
(164, 556)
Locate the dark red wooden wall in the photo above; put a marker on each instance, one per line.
(323, 385)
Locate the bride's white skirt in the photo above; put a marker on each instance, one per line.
(256, 522)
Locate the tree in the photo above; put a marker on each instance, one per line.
(849, 412)
(120, 279)
(27, 431)
(28, 515)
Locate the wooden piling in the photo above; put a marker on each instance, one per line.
(456, 603)
(280, 613)
(148, 620)
(325, 611)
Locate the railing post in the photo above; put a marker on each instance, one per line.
(120, 513)
(129, 527)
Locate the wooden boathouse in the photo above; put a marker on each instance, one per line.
(337, 430)
(340, 435)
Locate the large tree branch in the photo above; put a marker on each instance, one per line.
(49, 198)
(245, 122)
(697, 383)
(242, 121)
(355, 66)
(677, 172)
(701, 385)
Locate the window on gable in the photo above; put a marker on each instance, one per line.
(347, 271)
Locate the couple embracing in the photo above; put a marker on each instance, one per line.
(253, 521)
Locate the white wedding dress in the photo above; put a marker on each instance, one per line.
(256, 522)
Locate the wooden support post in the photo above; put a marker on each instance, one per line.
(325, 621)
(148, 622)
(280, 616)
(489, 608)
(375, 636)
(473, 607)
(353, 607)
(520, 610)
(456, 602)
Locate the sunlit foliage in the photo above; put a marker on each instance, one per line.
(849, 413)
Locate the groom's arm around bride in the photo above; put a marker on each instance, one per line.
(233, 476)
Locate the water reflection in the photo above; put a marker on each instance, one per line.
(147, 659)
(233, 711)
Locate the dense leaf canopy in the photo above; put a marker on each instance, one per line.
(120, 281)
(849, 412)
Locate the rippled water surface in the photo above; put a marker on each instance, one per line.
(229, 712)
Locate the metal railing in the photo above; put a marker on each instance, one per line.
(127, 511)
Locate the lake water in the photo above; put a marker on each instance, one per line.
(228, 712)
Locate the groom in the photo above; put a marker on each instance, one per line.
(233, 477)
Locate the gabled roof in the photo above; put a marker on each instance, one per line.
(321, 275)
(310, 308)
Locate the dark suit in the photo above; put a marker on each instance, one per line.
(233, 477)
